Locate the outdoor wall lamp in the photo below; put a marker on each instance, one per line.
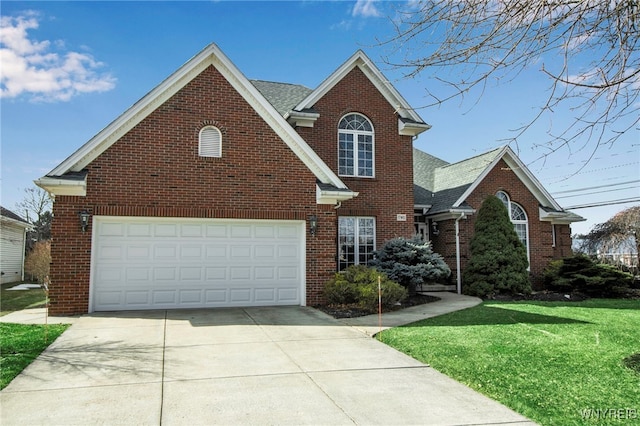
(434, 228)
(313, 224)
(84, 219)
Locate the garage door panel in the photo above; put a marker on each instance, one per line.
(139, 230)
(199, 263)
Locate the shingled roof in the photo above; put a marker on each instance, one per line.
(440, 184)
(11, 215)
(283, 96)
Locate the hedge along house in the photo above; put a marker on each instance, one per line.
(216, 191)
(448, 195)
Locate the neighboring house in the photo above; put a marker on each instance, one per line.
(214, 190)
(13, 234)
(447, 196)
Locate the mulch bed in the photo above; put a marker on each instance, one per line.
(543, 296)
(352, 310)
(550, 296)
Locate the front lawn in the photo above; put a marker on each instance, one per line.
(16, 300)
(558, 363)
(20, 344)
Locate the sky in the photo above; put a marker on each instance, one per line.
(70, 68)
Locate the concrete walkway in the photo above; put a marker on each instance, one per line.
(291, 365)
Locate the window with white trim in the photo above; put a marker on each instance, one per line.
(355, 146)
(356, 240)
(518, 217)
(210, 142)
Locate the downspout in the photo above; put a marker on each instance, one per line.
(458, 275)
(24, 248)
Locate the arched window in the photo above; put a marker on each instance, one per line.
(355, 146)
(518, 217)
(210, 142)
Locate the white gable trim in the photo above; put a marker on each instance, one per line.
(211, 55)
(522, 172)
(361, 60)
(63, 186)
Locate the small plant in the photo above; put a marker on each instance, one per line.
(581, 274)
(358, 285)
(410, 262)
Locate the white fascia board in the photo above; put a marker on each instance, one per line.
(17, 223)
(63, 186)
(521, 171)
(333, 197)
(411, 129)
(360, 59)
(211, 55)
(559, 218)
(134, 114)
(302, 119)
(452, 214)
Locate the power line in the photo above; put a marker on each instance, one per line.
(595, 192)
(595, 187)
(603, 203)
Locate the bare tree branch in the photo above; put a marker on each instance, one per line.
(588, 49)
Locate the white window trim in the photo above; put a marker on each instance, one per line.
(356, 133)
(356, 249)
(213, 150)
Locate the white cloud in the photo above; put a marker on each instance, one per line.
(33, 68)
(366, 8)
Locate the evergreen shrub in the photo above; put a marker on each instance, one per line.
(410, 262)
(498, 262)
(581, 274)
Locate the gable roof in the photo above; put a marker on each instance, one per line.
(11, 217)
(451, 184)
(409, 121)
(57, 180)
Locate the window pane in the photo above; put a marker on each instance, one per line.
(346, 242)
(365, 155)
(521, 230)
(345, 154)
(517, 212)
(366, 239)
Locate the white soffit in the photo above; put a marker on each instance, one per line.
(211, 55)
(361, 60)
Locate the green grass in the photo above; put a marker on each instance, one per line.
(16, 300)
(549, 361)
(20, 344)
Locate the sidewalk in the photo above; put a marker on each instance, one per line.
(449, 302)
(36, 316)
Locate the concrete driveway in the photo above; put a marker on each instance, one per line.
(291, 365)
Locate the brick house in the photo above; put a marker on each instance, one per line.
(215, 190)
(448, 195)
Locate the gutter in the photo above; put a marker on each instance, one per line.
(458, 276)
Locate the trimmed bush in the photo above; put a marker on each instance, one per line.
(581, 274)
(410, 262)
(498, 262)
(358, 284)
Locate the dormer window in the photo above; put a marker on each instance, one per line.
(355, 146)
(210, 142)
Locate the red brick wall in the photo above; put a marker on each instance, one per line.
(541, 249)
(155, 170)
(390, 192)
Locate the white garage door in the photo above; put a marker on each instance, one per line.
(152, 263)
